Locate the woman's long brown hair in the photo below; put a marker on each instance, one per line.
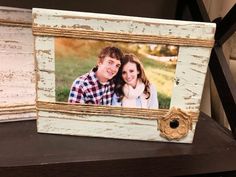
(120, 82)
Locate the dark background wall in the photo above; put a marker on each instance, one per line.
(143, 8)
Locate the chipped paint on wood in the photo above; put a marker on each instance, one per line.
(190, 77)
(15, 17)
(102, 126)
(119, 24)
(17, 68)
(45, 61)
(122, 28)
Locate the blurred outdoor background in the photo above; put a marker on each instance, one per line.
(75, 57)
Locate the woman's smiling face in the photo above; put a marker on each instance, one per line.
(130, 74)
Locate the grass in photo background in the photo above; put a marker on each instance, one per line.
(76, 57)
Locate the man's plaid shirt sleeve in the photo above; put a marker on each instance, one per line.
(76, 93)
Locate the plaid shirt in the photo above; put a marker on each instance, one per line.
(87, 89)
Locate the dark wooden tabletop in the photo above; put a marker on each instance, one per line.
(24, 152)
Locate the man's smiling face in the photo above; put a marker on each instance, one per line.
(107, 68)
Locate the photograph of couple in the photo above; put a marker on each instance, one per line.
(117, 78)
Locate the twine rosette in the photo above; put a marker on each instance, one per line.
(175, 125)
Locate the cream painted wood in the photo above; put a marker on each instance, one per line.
(102, 126)
(17, 68)
(122, 24)
(121, 28)
(189, 77)
(194, 38)
(45, 60)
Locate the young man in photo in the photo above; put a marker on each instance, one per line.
(97, 86)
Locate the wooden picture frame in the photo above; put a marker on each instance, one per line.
(17, 69)
(176, 124)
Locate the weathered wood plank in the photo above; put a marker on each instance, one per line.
(122, 28)
(190, 77)
(17, 69)
(17, 112)
(45, 61)
(15, 17)
(102, 126)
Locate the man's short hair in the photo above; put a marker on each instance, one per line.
(112, 52)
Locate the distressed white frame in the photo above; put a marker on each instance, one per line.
(17, 68)
(194, 39)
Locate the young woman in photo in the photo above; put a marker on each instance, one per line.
(133, 89)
